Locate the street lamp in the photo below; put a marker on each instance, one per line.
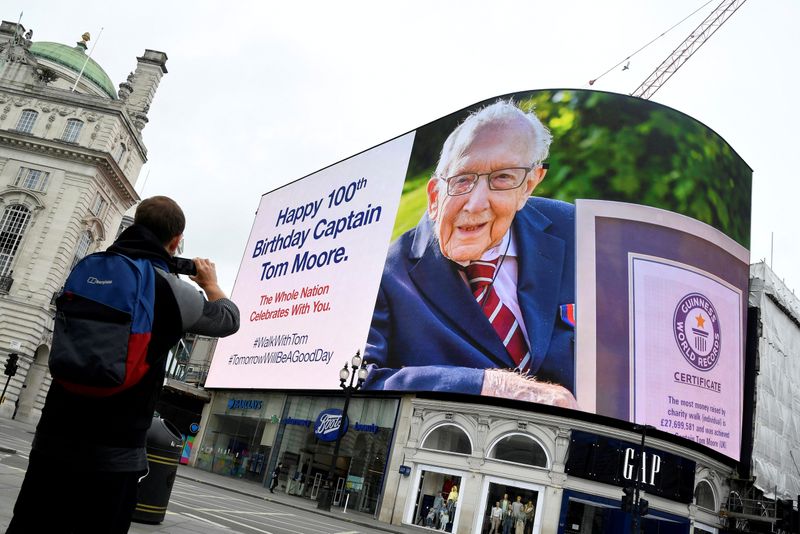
(349, 382)
(631, 500)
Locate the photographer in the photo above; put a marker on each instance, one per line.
(89, 452)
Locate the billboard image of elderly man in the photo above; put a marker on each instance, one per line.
(479, 297)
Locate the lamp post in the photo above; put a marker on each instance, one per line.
(640, 506)
(349, 382)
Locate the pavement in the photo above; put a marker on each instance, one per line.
(255, 489)
(15, 438)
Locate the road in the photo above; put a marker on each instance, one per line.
(193, 508)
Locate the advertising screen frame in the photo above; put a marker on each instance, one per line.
(558, 174)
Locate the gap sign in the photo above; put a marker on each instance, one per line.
(328, 423)
(613, 461)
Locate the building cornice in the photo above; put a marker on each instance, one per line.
(87, 102)
(69, 152)
(556, 421)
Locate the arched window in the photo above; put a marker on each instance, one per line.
(520, 449)
(704, 496)
(12, 227)
(72, 130)
(26, 121)
(82, 248)
(448, 438)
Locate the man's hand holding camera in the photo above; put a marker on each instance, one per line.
(206, 278)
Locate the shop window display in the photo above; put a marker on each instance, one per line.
(239, 436)
(234, 449)
(517, 510)
(360, 466)
(437, 500)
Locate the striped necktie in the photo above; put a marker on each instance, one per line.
(480, 275)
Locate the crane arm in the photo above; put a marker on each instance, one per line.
(689, 46)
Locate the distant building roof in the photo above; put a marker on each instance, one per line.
(73, 58)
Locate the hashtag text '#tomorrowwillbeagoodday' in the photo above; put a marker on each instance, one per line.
(279, 357)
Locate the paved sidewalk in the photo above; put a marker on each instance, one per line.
(15, 441)
(255, 489)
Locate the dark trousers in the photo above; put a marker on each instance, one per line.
(59, 497)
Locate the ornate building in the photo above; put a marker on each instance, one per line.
(71, 150)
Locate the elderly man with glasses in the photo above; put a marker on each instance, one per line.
(479, 297)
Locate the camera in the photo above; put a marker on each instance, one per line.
(183, 266)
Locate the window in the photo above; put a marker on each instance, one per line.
(704, 496)
(26, 120)
(34, 179)
(520, 449)
(120, 152)
(98, 206)
(12, 227)
(448, 438)
(72, 130)
(82, 248)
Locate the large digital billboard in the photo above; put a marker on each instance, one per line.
(576, 248)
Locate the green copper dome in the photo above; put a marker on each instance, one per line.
(73, 58)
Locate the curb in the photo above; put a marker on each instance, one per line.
(342, 517)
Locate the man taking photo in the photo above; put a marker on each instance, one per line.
(89, 452)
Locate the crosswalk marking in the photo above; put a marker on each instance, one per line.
(204, 520)
(228, 511)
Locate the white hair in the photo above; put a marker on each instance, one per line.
(502, 112)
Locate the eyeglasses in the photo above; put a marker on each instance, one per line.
(499, 180)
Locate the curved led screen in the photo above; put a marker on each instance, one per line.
(567, 247)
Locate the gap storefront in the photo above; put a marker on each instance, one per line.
(246, 434)
(568, 473)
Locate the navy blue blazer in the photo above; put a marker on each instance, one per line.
(429, 334)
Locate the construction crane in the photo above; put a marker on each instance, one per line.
(687, 48)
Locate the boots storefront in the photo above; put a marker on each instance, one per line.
(246, 434)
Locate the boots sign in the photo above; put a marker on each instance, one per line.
(326, 428)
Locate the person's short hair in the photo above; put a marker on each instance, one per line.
(162, 216)
(503, 111)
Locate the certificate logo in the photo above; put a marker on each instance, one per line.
(697, 332)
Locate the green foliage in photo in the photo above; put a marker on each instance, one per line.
(613, 147)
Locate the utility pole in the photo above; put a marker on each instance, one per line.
(641, 506)
(631, 499)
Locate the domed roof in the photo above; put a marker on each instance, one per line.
(73, 58)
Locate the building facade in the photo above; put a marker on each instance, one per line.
(71, 150)
(399, 454)
(402, 456)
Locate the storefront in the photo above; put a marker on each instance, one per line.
(584, 513)
(614, 462)
(460, 460)
(566, 480)
(306, 440)
(238, 432)
(247, 434)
